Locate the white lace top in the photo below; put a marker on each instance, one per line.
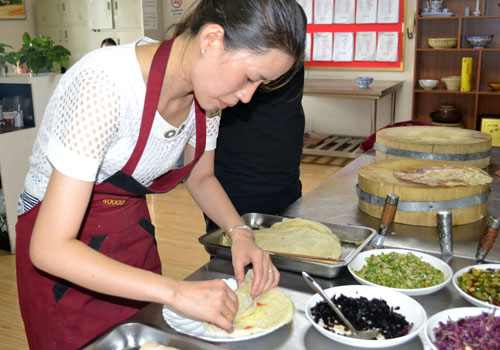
(92, 122)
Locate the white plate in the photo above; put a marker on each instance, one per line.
(359, 261)
(409, 308)
(195, 328)
(443, 316)
(466, 296)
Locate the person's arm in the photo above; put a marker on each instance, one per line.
(213, 200)
(55, 249)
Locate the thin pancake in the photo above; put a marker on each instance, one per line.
(299, 236)
(270, 310)
(445, 176)
(152, 345)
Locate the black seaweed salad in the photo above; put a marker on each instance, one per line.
(364, 314)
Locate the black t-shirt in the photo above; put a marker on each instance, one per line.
(260, 143)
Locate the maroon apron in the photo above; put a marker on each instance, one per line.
(62, 316)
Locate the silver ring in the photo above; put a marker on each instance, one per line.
(270, 270)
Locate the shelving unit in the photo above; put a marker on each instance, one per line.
(433, 63)
(16, 143)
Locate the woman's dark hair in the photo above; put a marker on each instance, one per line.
(108, 41)
(256, 25)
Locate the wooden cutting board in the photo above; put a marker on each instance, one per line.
(464, 146)
(418, 204)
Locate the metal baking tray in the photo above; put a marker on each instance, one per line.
(132, 335)
(352, 238)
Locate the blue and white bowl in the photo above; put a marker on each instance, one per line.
(364, 82)
(479, 41)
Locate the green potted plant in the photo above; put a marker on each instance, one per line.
(5, 58)
(41, 53)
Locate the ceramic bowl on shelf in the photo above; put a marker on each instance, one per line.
(446, 114)
(364, 82)
(428, 84)
(442, 43)
(479, 41)
(452, 82)
(494, 86)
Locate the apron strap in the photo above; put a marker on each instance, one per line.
(153, 90)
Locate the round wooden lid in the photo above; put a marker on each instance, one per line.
(434, 139)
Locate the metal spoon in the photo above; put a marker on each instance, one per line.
(369, 334)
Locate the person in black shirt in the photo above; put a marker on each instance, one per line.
(259, 149)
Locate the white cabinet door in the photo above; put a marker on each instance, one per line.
(74, 12)
(55, 33)
(128, 36)
(47, 13)
(127, 14)
(100, 14)
(76, 40)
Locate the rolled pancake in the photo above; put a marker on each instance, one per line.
(299, 236)
(270, 310)
(152, 345)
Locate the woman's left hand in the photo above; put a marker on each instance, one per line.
(244, 252)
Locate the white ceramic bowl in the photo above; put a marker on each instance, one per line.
(408, 307)
(428, 84)
(443, 316)
(466, 296)
(479, 41)
(360, 260)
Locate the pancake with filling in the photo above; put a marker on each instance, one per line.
(152, 345)
(270, 310)
(299, 236)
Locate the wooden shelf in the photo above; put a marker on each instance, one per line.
(493, 93)
(455, 17)
(433, 63)
(443, 91)
(490, 49)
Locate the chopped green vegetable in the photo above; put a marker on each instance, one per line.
(482, 284)
(404, 271)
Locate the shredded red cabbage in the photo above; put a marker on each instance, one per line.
(480, 332)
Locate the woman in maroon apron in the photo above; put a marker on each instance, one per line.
(86, 255)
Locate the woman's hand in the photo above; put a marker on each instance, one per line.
(211, 301)
(244, 251)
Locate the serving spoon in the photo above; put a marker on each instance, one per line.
(369, 334)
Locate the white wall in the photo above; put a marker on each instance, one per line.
(345, 116)
(11, 30)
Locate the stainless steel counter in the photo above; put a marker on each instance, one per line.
(335, 201)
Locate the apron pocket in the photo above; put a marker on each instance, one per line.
(62, 286)
(148, 227)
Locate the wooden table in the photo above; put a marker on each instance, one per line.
(349, 89)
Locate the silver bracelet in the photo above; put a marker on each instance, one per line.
(243, 227)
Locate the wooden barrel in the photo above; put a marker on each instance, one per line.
(418, 204)
(464, 146)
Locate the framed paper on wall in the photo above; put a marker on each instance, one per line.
(355, 34)
(12, 9)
